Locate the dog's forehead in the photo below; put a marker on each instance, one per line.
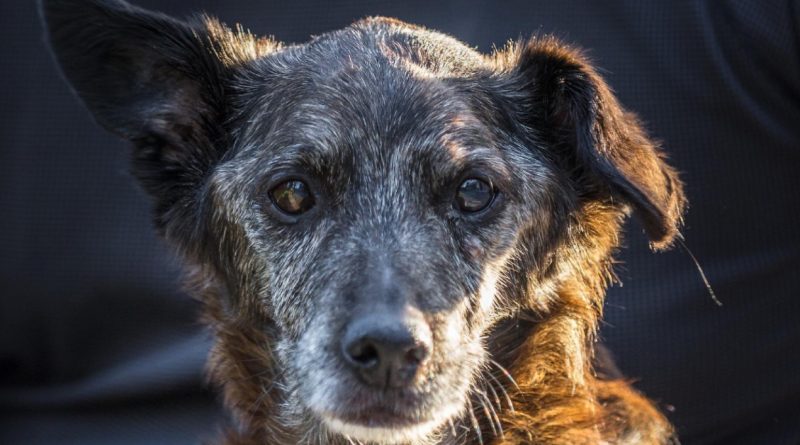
(375, 90)
(429, 53)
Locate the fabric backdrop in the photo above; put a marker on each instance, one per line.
(98, 344)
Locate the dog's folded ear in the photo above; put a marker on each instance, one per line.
(605, 146)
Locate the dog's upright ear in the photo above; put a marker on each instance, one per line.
(140, 73)
(159, 82)
(604, 146)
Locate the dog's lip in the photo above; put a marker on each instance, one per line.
(388, 416)
(399, 412)
(381, 425)
(379, 417)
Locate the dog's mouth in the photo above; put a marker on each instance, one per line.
(388, 421)
(380, 425)
(377, 417)
(376, 401)
(391, 433)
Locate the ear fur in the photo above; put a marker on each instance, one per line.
(137, 71)
(159, 82)
(606, 145)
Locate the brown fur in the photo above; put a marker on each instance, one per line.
(541, 386)
(556, 396)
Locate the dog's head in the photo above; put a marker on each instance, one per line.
(379, 198)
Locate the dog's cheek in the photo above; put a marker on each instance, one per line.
(310, 310)
(489, 249)
(315, 368)
(474, 248)
(297, 276)
(459, 355)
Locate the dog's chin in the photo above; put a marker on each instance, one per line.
(380, 426)
(384, 434)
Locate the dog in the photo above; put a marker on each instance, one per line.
(395, 238)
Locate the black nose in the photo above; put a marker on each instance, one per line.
(385, 350)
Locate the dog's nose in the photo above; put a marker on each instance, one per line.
(386, 350)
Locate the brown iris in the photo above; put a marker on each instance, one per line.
(474, 195)
(293, 197)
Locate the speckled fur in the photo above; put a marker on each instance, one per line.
(383, 119)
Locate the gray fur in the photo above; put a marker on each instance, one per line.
(382, 120)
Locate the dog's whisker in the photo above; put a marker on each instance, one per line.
(497, 409)
(711, 293)
(503, 390)
(255, 405)
(488, 385)
(255, 360)
(505, 373)
(487, 413)
(271, 373)
(494, 419)
(452, 428)
(475, 426)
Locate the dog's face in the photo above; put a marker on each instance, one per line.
(380, 197)
(384, 203)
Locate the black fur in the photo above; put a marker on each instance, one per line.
(382, 121)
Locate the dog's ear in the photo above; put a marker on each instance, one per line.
(140, 73)
(157, 81)
(568, 104)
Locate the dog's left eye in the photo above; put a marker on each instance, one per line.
(474, 195)
(293, 197)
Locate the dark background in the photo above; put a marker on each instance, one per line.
(98, 344)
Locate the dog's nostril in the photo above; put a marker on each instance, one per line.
(363, 354)
(416, 355)
(383, 351)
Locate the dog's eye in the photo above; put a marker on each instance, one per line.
(293, 197)
(474, 195)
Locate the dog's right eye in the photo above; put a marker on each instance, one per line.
(474, 195)
(293, 197)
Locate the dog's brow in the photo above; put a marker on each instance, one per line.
(302, 155)
(467, 143)
(303, 139)
(481, 159)
(459, 137)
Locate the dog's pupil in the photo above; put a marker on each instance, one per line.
(292, 197)
(474, 195)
